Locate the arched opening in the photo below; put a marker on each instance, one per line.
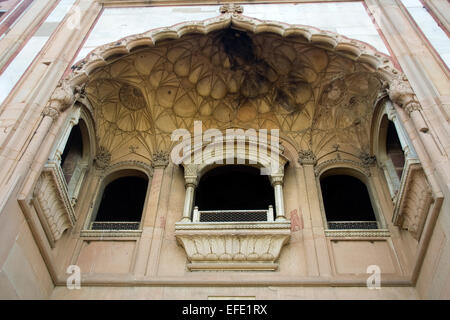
(73, 153)
(347, 203)
(235, 188)
(122, 203)
(394, 149)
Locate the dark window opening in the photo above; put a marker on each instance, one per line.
(234, 187)
(346, 198)
(394, 149)
(123, 200)
(73, 153)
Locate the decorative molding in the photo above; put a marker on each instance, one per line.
(127, 165)
(378, 233)
(232, 249)
(52, 203)
(413, 201)
(232, 225)
(102, 234)
(364, 168)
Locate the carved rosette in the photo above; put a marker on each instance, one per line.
(52, 203)
(231, 8)
(414, 201)
(220, 248)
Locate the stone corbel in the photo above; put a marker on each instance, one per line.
(413, 201)
(62, 98)
(52, 204)
(401, 93)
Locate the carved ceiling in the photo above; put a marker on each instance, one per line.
(228, 78)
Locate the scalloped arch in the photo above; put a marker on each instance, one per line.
(355, 50)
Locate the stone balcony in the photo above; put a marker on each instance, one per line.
(213, 242)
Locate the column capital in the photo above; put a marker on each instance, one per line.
(307, 157)
(160, 159)
(276, 180)
(51, 112)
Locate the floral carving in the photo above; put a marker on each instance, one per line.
(307, 157)
(160, 159)
(231, 8)
(103, 158)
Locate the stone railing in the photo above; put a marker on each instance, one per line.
(233, 215)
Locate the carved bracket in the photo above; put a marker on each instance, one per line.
(52, 203)
(414, 200)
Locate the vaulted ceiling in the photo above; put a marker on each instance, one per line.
(230, 78)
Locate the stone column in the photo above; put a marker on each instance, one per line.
(61, 145)
(62, 99)
(431, 156)
(428, 78)
(408, 148)
(191, 181)
(277, 183)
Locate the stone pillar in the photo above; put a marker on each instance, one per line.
(159, 163)
(308, 160)
(157, 221)
(62, 99)
(428, 77)
(61, 145)
(191, 181)
(277, 182)
(408, 148)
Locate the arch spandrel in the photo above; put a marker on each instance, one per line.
(317, 87)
